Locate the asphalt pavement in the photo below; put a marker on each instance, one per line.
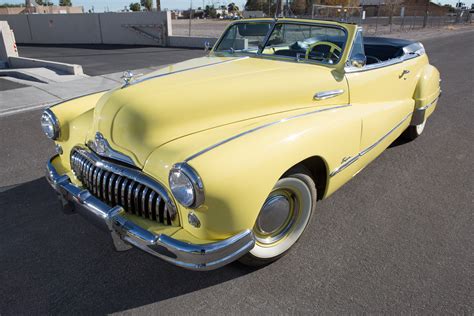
(398, 238)
(104, 59)
(9, 85)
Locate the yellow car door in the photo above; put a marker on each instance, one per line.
(384, 98)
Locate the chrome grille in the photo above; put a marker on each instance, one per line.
(115, 185)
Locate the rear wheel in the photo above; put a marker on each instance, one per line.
(412, 132)
(283, 218)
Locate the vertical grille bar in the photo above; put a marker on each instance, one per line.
(117, 189)
(151, 201)
(143, 201)
(136, 199)
(111, 187)
(99, 182)
(124, 192)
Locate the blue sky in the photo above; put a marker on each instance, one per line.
(115, 5)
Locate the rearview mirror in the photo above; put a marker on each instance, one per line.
(207, 46)
(358, 61)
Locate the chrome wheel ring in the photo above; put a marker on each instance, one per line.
(283, 218)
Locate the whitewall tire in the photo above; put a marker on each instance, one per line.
(283, 218)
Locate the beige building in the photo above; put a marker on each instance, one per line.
(32, 7)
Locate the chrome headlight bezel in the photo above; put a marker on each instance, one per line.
(195, 182)
(49, 119)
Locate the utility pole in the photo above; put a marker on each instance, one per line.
(158, 5)
(425, 19)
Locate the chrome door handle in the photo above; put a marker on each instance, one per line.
(405, 72)
(323, 95)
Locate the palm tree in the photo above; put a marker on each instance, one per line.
(158, 5)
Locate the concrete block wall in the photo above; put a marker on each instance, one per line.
(91, 28)
(190, 42)
(20, 26)
(64, 28)
(7, 43)
(114, 32)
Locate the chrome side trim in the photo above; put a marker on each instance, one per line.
(419, 114)
(101, 147)
(351, 160)
(430, 104)
(134, 82)
(323, 95)
(262, 127)
(125, 232)
(78, 97)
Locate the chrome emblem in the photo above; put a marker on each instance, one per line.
(100, 144)
(101, 147)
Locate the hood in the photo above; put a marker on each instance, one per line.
(202, 94)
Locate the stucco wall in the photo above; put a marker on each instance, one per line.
(20, 26)
(90, 28)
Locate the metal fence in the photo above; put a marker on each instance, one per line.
(392, 18)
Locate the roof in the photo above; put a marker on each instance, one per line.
(371, 2)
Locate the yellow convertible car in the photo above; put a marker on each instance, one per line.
(224, 157)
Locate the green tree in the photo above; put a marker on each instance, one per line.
(256, 5)
(299, 6)
(135, 7)
(232, 7)
(210, 11)
(65, 3)
(147, 4)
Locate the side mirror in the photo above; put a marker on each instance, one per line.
(207, 46)
(358, 61)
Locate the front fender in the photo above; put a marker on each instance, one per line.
(75, 118)
(239, 174)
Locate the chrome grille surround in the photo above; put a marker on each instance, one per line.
(116, 184)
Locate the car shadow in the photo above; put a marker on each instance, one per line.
(399, 142)
(56, 263)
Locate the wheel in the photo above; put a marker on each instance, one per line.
(413, 132)
(283, 218)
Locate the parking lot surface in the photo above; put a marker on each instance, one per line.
(104, 59)
(9, 85)
(397, 238)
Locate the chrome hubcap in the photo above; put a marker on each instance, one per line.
(282, 218)
(276, 218)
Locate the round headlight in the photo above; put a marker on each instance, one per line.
(186, 185)
(50, 124)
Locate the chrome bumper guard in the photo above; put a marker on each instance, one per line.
(125, 233)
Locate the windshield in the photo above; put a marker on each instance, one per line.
(244, 37)
(298, 41)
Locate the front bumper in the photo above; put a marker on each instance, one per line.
(125, 233)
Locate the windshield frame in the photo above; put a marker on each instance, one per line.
(274, 23)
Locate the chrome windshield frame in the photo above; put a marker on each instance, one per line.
(274, 23)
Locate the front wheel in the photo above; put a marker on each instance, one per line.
(283, 218)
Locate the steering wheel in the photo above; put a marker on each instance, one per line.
(332, 48)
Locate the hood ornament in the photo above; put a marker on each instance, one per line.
(129, 77)
(101, 147)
